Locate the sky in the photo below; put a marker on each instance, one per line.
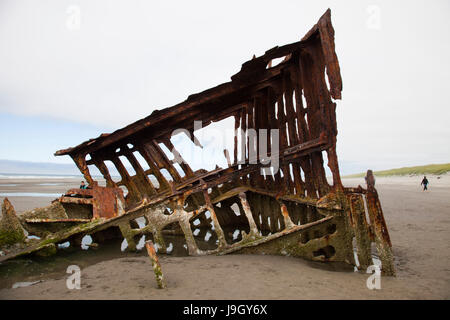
(71, 70)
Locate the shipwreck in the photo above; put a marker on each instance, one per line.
(293, 209)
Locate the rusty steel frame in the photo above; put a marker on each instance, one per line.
(294, 211)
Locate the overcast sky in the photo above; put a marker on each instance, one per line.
(71, 70)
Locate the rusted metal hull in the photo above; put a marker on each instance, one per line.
(292, 210)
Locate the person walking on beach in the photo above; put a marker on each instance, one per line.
(424, 183)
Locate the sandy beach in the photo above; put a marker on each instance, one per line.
(28, 192)
(418, 223)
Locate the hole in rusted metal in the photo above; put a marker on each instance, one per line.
(64, 245)
(331, 228)
(172, 234)
(166, 151)
(125, 190)
(124, 245)
(274, 62)
(166, 174)
(236, 210)
(141, 222)
(206, 237)
(141, 243)
(142, 162)
(127, 165)
(85, 242)
(154, 181)
(327, 252)
(179, 169)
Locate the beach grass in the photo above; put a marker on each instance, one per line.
(431, 169)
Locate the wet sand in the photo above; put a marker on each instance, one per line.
(29, 193)
(418, 222)
(51, 187)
